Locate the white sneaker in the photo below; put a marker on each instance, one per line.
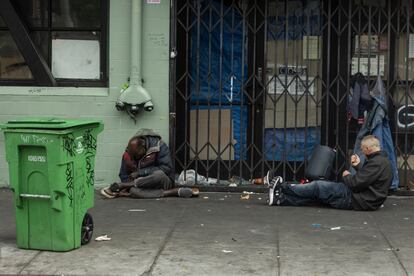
(274, 190)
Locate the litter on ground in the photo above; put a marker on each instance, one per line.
(103, 238)
(244, 197)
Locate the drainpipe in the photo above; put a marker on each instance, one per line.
(135, 95)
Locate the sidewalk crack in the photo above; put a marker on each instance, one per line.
(163, 245)
(29, 262)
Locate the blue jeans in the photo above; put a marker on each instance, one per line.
(334, 194)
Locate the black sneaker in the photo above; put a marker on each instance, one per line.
(185, 192)
(268, 178)
(274, 190)
(114, 187)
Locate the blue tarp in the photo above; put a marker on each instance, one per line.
(294, 147)
(217, 56)
(239, 119)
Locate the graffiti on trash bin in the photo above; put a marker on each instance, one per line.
(89, 142)
(69, 144)
(69, 182)
(81, 190)
(90, 172)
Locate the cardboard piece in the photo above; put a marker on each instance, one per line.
(209, 133)
(296, 113)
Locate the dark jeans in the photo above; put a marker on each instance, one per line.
(334, 194)
(151, 186)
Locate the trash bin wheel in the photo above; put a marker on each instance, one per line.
(87, 229)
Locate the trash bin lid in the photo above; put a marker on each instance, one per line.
(47, 123)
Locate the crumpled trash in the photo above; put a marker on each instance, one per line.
(245, 197)
(336, 228)
(103, 238)
(232, 185)
(226, 251)
(189, 177)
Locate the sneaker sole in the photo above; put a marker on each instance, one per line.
(266, 178)
(195, 192)
(105, 194)
(272, 190)
(271, 196)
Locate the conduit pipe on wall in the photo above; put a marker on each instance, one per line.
(134, 95)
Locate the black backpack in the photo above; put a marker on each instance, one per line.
(320, 163)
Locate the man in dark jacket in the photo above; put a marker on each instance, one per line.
(364, 191)
(146, 170)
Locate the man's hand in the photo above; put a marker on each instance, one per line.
(355, 160)
(133, 175)
(345, 173)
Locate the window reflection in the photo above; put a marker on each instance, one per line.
(12, 63)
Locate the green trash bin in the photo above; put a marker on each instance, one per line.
(51, 167)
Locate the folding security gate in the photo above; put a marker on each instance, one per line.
(257, 84)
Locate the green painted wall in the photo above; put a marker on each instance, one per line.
(99, 103)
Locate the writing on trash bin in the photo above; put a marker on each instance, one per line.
(35, 139)
(35, 158)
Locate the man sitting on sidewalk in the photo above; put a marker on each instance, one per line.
(146, 170)
(364, 191)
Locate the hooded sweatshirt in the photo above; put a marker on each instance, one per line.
(157, 157)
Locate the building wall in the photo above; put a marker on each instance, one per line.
(99, 103)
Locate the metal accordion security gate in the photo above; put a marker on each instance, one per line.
(255, 85)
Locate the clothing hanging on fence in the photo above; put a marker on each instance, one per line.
(360, 99)
(377, 124)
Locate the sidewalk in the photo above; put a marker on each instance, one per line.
(220, 234)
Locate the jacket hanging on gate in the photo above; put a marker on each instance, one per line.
(360, 99)
(376, 123)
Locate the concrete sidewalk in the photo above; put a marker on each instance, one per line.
(220, 234)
